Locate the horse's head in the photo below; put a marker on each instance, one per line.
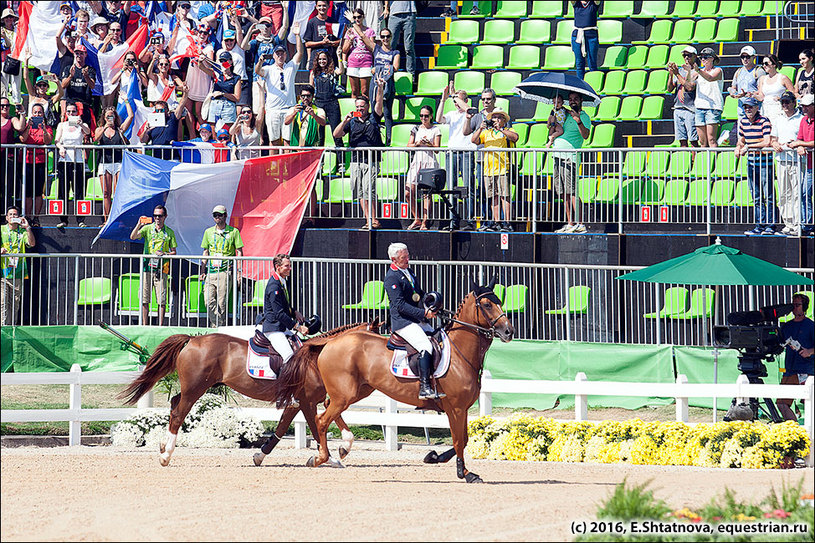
(487, 311)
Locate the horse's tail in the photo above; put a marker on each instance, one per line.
(160, 364)
(293, 373)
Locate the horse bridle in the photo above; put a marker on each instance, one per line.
(489, 333)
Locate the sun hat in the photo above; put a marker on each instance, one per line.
(219, 209)
(99, 21)
(498, 112)
(808, 99)
(229, 34)
(690, 49)
(787, 95)
(711, 52)
(748, 50)
(8, 12)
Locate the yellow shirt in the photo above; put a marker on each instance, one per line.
(496, 162)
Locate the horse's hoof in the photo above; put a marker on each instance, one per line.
(310, 462)
(431, 458)
(343, 452)
(258, 458)
(473, 478)
(334, 463)
(161, 448)
(163, 461)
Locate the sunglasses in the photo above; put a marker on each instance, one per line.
(115, 29)
(247, 111)
(703, 57)
(358, 17)
(5, 105)
(282, 83)
(385, 36)
(158, 215)
(305, 96)
(687, 54)
(219, 214)
(163, 64)
(223, 138)
(424, 115)
(746, 57)
(160, 110)
(42, 85)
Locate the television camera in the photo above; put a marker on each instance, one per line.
(757, 337)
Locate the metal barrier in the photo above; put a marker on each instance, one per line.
(700, 190)
(544, 301)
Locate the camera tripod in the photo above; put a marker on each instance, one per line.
(751, 365)
(444, 195)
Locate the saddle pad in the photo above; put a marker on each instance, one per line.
(257, 365)
(400, 367)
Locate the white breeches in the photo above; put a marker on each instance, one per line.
(414, 334)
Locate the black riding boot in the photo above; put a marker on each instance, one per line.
(426, 392)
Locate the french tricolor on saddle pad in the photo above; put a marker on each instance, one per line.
(262, 361)
(401, 367)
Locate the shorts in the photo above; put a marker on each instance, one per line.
(360, 72)
(112, 169)
(275, 129)
(363, 180)
(790, 379)
(708, 116)
(684, 127)
(497, 185)
(564, 175)
(149, 281)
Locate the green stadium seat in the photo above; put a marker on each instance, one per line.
(675, 54)
(414, 105)
(630, 108)
(587, 189)
(564, 31)
(498, 31)
(93, 189)
(403, 82)
(602, 136)
(387, 189)
(675, 302)
(452, 57)
(660, 32)
(487, 57)
(595, 79)
(770, 7)
(500, 291)
(471, 81)
(653, 8)
(657, 57)
(373, 297)
(680, 164)
(701, 304)
(608, 109)
(631, 191)
(608, 190)
(524, 57)
(558, 57)
(546, 9)
(729, 166)
(705, 30)
(706, 8)
(729, 8)
(615, 57)
(400, 135)
(534, 32)
(515, 299)
(329, 165)
(510, 9)
(789, 71)
(635, 81)
(522, 129)
(195, 306)
(751, 8)
(578, 302)
(657, 164)
(652, 107)
(538, 136)
(484, 9)
(450, 106)
(532, 163)
(542, 112)
(432, 83)
(730, 111)
(463, 31)
(614, 82)
(258, 291)
(637, 55)
(722, 192)
(683, 8)
(634, 164)
(742, 196)
(683, 31)
(339, 190)
(727, 31)
(394, 163)
(675, 193)
(347, 105)
(703, 165)
(619, 9)
(94, 291)
(697, 192)
(504, 82)
(127, 297)
(610, 31)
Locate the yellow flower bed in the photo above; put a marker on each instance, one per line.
(724, 444)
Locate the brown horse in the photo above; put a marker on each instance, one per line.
(205, 361)
(357, 363)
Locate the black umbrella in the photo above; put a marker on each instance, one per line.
(544, 86)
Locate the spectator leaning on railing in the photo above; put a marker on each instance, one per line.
(575, 130)
(219, 241)
(166, 133)
(37, 134)
(423, 135)
(110, 132)
(684, 108)
(754, 136)
(805, 145)
(245, 134)
(785, 131)
(494, 133)
(71, 169)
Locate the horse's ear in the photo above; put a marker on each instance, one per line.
(473, 286)
(492, 283)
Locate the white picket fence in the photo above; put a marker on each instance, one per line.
(381, 410)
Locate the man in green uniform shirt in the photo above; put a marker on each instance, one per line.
(159, 240)
(219, 241)
(16, 235)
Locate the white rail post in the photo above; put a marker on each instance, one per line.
(391, 432)
(485, 398)
(75, 404)
(581, 407)
(148, 400)
(809, 419)
(299, 434)
(681, 401)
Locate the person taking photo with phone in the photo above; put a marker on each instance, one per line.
(15, 235)
(71, 169)
(37, 134)
(460, 150)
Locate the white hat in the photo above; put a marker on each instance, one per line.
(690, 49)
(807, 100)
(219, 209)
(748, 49)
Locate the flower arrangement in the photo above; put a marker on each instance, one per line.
(210, 423)
(724, 444)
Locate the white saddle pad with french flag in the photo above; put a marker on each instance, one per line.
(400, 367)
(258, 366)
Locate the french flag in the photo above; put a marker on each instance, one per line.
(203, 152)
(107, 64)
(37, 31)
(186, 45)
(140, 111)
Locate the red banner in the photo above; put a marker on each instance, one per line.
(272, 197)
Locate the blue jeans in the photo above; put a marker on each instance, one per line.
(405, 24)
(592, 42)
(759, 175)
(462, 162)
(806, 200)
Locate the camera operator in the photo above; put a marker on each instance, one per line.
(798, 363)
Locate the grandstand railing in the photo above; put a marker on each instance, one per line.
(795, 17)
(544, 301)
(701, 190)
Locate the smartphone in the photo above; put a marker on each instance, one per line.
(356, 114)
(472, 111)
(145, 220)
(16, 220)
(267, 55)
(74, 120)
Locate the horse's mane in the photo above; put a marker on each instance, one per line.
(323, 338)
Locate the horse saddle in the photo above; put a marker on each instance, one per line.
(405, 361)
(262, 353)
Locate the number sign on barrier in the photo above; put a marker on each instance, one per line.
(84, 207)
(387, 210)
(404, 211)
(56, 207)
(645, 214)
(664, 213)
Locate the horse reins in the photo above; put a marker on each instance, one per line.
(489, 333)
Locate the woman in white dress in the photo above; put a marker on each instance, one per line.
(424, 135)
(771, 87)
(244, 134)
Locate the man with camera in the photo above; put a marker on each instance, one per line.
(260, 43)
(16, 235)
(159, 240)
(494, 133)
(305, 121)
(461, 149)
(683, 79)
(798, 357)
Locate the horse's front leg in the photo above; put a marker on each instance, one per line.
(458, 427)
(282, 427)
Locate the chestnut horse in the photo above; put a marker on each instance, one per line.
(207, 360)
(357, 363)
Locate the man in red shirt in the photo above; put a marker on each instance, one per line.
(804, 145)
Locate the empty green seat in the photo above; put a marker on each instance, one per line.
(558, 57)
(608, 108)
(400, 135)
(634, 163)
(681, 163)
(546, 9)
(657, 57)
(538, 136)
(675, 54)
(683, 31)
(414, 105)
(394, 163)
(730, 111)
(616, 56)
(195, 306)
(487, 56)
(509, 9)
(657, 82)
(522, 129)
(610, 31)
(722, 192)
(463, 31)
(373, 297)
(657, 164)
(727, 31)
(524, 57)
(515, 299)
(578, 302)
(637, 55)
(728, 166)
(701, 304)
(498, 31)
(595, 79)
(452, 57)
(652, 107)
(387, 188)
(705, 31)
(619, 9)
(471, 81)
(660, 32)
(697, 192)
(542, 112)
(93, 189)
(339, 190)
(683, 8)
(258, 291)
(630, 108)
(631, 191)
(703, 165)
(706, 8)
(614, 82)
(535, 31)
(431, 83)
(675, 302)
(403, 82)
(346, 106)
(500, 291)
(94, 291)
(675, 192)
(742, 196)
(729, 8)
(789, 71)
(127, 297)
(504, 82)
(586, 189)
(564, 30)
(751, 8)
(608, 189)
(653, 8)
(635, 81)
(602, 136)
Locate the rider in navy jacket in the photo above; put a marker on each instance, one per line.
(408, 315)
(277, 319)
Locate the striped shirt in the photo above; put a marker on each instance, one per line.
(755, 131)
